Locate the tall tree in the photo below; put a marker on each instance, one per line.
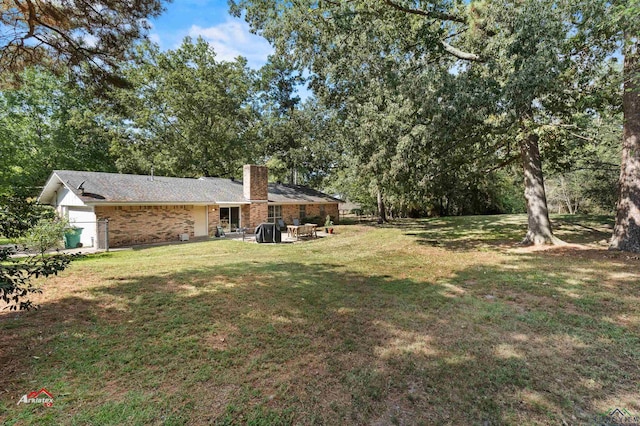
(47, 124)
(67, 34)
(626, 233)
(526, 47)
(187, 114)
(281, 125)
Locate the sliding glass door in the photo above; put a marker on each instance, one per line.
(230, 218)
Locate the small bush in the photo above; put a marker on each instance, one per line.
(314, 219)
(328, 222)
(46, 234)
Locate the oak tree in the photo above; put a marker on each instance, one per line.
(186, 114)
(527, 49)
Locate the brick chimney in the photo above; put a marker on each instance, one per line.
(254, 182)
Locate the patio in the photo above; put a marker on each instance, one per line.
(292, 236)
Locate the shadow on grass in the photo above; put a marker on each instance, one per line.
(500, 231)
(284, 342)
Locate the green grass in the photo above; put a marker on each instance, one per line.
(439, 321)
(487, 232)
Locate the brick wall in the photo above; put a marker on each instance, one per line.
(245, 216)
(322, 210)
(289, 212)
(332, 210)
(292, 211)
(254, 182)
(129, 225)
(146, 224)
(258, 213)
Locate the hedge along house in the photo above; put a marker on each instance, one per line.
(145, 209)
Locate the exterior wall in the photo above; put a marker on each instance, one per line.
(322, 210)
(258, 213)
(214, 219)
(254, 182)
(332, 210)
(245, 216)
(85, 218)
(64, 197)
(129, 225)
(146, 224)
(68, 205)
(292, 211)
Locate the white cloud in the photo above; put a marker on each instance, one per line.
(155, 37)
(231, 39)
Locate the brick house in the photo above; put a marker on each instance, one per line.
(144, 209)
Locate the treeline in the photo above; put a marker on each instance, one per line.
(417, 109)
(184, 113)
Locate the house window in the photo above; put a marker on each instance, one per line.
(303, 211)
(322, 212)
(275, 213)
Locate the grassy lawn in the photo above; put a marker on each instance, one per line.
(439, 321)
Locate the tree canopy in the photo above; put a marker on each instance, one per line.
(522, 74)
(418, 107)
(68, 34)
(186, 114)
(48, 123)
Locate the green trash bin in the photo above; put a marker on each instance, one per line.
(72, 238)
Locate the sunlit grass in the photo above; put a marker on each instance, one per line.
(439, 321)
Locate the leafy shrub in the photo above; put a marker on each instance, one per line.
(18, 215)
(17, 274)
(314, 219)
(46, 234)
(328, 222)
(20, 218)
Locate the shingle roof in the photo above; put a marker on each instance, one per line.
(100, 187)
(348, 205)
(281, 193)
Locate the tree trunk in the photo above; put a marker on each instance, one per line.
(382, 213)
(539, 231)
(626, 233)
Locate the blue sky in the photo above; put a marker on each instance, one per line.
(210, 19)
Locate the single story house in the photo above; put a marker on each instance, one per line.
(144, 209)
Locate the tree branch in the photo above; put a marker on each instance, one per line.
(459, 53)
(504, 163)
(441, 16)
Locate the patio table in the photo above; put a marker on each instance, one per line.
(306, 229)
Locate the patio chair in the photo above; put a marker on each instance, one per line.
(296, 222)
(282, 225)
